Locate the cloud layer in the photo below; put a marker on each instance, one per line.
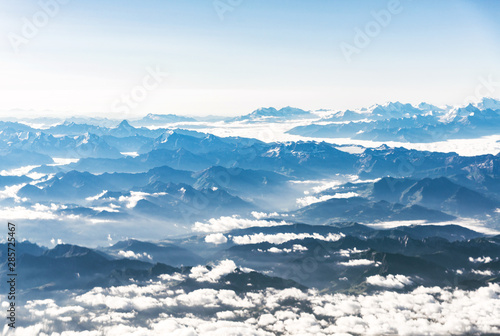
(228, 223)
(159, 308)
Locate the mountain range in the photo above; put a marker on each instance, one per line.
(429, 255)
(406, 123)
(207, 225)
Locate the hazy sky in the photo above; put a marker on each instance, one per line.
(95, 57)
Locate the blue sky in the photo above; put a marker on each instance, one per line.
(91, 53)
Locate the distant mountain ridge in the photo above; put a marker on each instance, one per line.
(439, 193)
(428, 255)
(406, 123)
(270, 114)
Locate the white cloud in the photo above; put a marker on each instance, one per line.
(132, 154)
(55, 242)
(40, 180)
(203, 274)
(62, 161)
(481, 260)
(132, 200)
(216, 238)
(120, 298)
(325, 185)
(390, 281)
(110, 208)
(308, 200)
(228, 223)
(52, 207)
(205, 297)
(261, 215)
(136, 196)
(20, 212)
(469, 223)
(96, 197)
(133, 255)
(266, 319)
(226, 315)
(347, 253)
(37, 212)
(483, 273)
(18, 171)
(299, 248)
(50, 307)
(295, 248)
(156, 309)
(173, 277)
(11, 192)
(357, 262)
(280, 238)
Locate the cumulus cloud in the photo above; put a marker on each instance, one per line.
(280, 238)
(266, 319)
(133, 255)
(357, 262)
(52, 207)
(483, 273)
(295, 248)
(348, 252)
(484, 260)
(261, 215)
(203, 274)
(216, 238)
(228, 223)
(52, 309)
(390, 281)
(299, 248)
(173, 277)
(156, 308)
(11, 192)
(55, 242)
